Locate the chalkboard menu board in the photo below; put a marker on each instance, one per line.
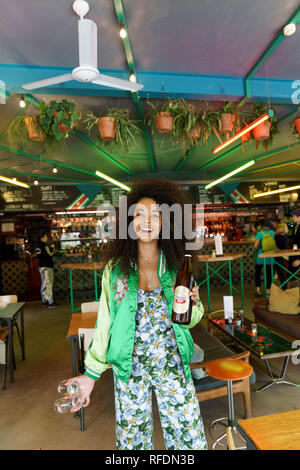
(258, 187)
(52, 198)
(38, 198)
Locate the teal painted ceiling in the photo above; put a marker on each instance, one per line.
(202, 51)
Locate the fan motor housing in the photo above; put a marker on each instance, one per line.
(85, 73)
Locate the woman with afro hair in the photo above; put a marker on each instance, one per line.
(134, 332)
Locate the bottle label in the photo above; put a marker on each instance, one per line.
(181, 299)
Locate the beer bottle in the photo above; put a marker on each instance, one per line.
(182, 303)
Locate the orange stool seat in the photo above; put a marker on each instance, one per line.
(229, 369)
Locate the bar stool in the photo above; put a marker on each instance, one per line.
(228, 370)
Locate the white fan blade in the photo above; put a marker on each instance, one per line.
(48, 81)
(87, 38)
(107, 80)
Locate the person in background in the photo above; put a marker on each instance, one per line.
(271, 225)
(282, 243)
(294, 261)
(262, 232)
(44, 252)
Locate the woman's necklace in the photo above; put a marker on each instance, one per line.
(149, 280)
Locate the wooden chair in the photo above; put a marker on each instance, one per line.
(90, 307)
(3, 353)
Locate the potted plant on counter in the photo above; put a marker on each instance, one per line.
(115, 125)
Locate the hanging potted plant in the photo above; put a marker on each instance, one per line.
(35, 132)
(211, 123)
(25, 132)
(295, 127)
(186, 123)
(114, 125)
(160, 117)
(228, 115)
(265, 131)
(57, 119)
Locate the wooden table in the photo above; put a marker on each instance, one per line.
(273, 432)
(278, 254)
(7, 314)
(79, 320)
(226, 260)
(94, 266)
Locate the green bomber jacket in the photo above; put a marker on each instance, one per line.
(113, 340)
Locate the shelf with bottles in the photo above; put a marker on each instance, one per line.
(89, 248)
(76, 227)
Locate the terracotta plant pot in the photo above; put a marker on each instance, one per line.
(164, 122)
(107, 128)
(227, 120)
(297, 124)
(62, 127)
(262, 131)
(34, 131)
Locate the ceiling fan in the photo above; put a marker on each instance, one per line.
(87, 71)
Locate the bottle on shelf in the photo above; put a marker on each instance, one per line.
(182, 303)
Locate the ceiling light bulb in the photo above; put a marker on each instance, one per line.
(14, 180)
(289, 29)
(132, 77)
(54, 170)
(22, 102)
(123, 32)
(35, 182)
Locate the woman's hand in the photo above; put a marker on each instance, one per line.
(194, 293)
(296, 263)
(86, 385)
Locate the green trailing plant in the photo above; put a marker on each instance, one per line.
(186, 123)
(57, 118)
(258, 110)
(229, 107)
(126, 128)
(211, 123)
(53, 122)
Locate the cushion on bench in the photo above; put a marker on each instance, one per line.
(289, 324)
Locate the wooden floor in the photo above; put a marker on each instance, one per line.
(27, 418)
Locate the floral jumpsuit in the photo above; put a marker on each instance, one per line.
(157, 366)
